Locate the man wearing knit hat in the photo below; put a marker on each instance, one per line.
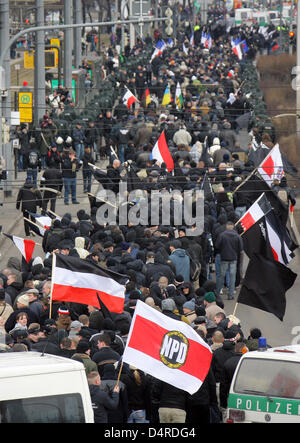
(211, 308)
(189, 310)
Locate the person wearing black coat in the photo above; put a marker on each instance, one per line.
(28, 199)
(105, 353)
(199, 404)
(108, 382)
(172, 402)
(101, 400)
(138, 391)
(52, 179)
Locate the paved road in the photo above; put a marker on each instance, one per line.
(277, 332)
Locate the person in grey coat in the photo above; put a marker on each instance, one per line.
(180, 259)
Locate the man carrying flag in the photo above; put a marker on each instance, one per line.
(173, 352)
(161, 152)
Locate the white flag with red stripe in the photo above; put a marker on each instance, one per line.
(271, 167)
(26, 247)
(79, 281)
(129, 98)
(167, 349)
(259, 209)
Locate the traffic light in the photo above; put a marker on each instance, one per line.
(292, 37)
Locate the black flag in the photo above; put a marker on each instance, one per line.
(265, 284)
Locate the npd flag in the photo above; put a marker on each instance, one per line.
(167, 349)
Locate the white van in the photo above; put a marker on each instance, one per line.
(244, 16)
(43, 388)
(266, 387)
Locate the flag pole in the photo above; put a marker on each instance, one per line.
(52, 281)
(30, 221)
(53, 213)
(119, 374)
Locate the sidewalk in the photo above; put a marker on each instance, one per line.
(12, 220)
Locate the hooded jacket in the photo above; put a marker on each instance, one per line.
(79, 247)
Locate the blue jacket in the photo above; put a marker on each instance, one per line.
(181, 261)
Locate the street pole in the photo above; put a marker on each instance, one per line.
(298, 72)
(39, 66)
(68, 46)
(5, 45)
(77, 33)
(5, 99)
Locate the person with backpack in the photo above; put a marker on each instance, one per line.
(32, 163)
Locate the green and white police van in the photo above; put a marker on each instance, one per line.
(266, 387)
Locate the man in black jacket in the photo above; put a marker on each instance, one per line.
(70, 166)
(51, 179)
(28, 199)
(101, 400)
(230, 245)
(105, 354)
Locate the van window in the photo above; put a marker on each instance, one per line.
(67, 408)
(268, 377)
(272, 15)
(244, 15)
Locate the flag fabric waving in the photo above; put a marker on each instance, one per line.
(39, 224)
(26, 247)
(167, 349)
(279, 238)
(129, 99)
(167, 96)
(272, 167)
(178, 97)
(258, 210)
(236, 47)
(79, 281)
(147, 97)
(265, 284)
(159, 48)
(161, 152)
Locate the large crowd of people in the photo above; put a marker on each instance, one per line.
(185, 277)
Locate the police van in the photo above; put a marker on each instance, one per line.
(43, 388)
(266, 387)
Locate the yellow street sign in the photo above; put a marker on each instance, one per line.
(28, 60)
(25, 107)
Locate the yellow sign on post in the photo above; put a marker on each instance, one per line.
(28, 60)
(25, 107)
(55, 42)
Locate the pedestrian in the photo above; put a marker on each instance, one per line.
(70, 167)
(101, 400)
(28, 200)
(230, 245)
(83, 351)
(87, 159)
(78, 137)
(137, 385)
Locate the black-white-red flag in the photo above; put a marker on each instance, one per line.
(26, 247)
(79, 281)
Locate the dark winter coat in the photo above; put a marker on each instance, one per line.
(101, 402)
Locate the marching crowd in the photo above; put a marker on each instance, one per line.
(185, 277)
